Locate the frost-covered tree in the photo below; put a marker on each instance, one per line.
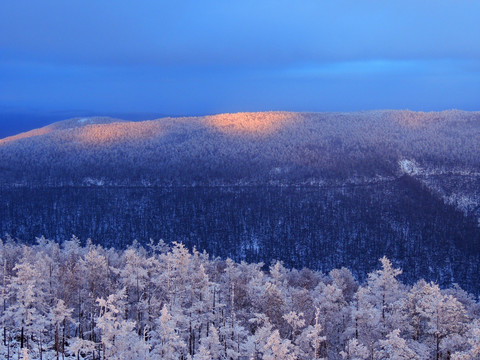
(166, 342)
(311, 339)
(473, 344)
(257, 341)
(334, 314)
(277, 348)
(394, 348)
(95, 284)
(80, 347)
(296, 322)
(385, 293)
(59, 317)
(119, 339)
(355, 351)
(212, 344)
(134, 276)
(444, 317)
(25, 315)
(365, 322)
(194, 307)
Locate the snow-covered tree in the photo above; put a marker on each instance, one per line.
(257, 341)
(355, 351)
(167, 344)
(59, 317)
(80, 347)
(444, 317)
(473, 344)
(212, 344)
(277, 348)
(385, 293)
(178, 305)
(119, 339)
(313, 337)
(26, 311)
(394, 348)
(334, 315)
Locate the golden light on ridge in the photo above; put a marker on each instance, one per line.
(249, 123)
(28, 134)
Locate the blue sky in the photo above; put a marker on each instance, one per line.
(199, 57)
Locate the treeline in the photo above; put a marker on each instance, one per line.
(164, 302)
(242, 148)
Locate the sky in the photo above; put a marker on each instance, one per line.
(183, 57)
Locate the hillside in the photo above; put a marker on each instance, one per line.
(317, 190)
(242, 148)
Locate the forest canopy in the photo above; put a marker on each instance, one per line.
(165, 302)
(241, 148)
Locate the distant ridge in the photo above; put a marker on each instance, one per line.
(242, 148)
(60, 125)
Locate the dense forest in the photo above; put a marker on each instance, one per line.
(317, 190)
(71, 301)
(321, 228)
(260, 148)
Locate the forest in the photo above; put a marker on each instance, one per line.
(329, 236)
(243, 148)
(319, 227)
(74, 301)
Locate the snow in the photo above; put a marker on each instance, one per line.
(93, 182)
(409, 167)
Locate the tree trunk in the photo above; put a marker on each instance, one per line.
(63, 339)
(56, 340)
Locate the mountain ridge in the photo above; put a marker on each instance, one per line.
(76, 122)
(243, 147)
(59, 125)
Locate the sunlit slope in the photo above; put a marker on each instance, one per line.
(243, 148)
(61, 125)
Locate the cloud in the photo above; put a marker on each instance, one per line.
(239, 55)
(388, 68)
(237, 33)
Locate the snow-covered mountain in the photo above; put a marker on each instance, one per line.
(243, 148)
